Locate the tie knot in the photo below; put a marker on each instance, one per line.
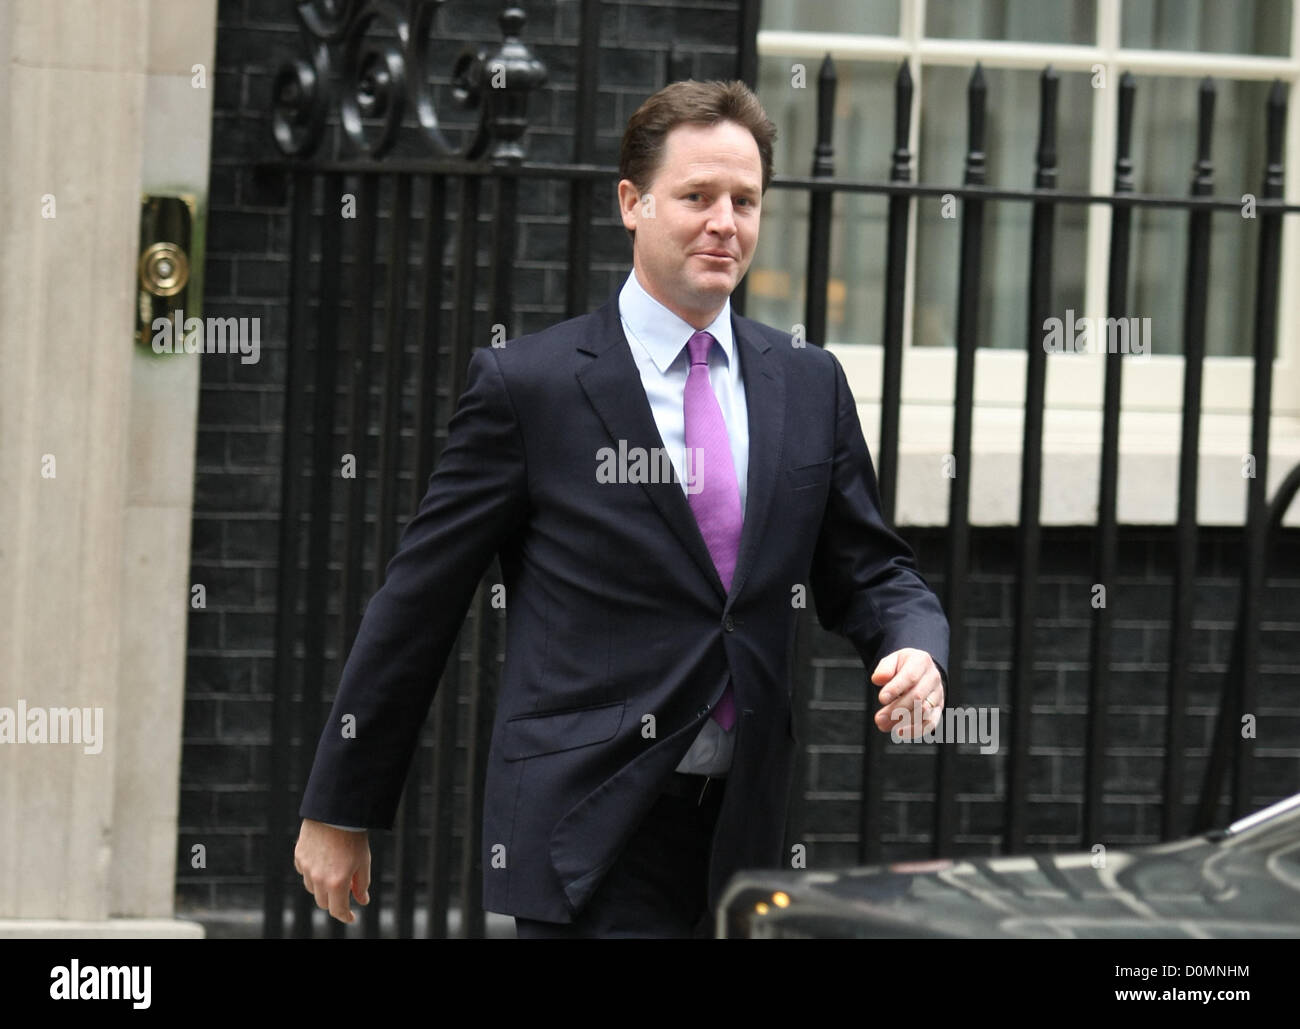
(699, 347)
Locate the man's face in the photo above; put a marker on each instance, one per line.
(697, 224)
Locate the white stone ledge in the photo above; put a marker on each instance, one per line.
(1148, 465)
(108, 929)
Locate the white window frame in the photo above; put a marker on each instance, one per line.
(1152, 393)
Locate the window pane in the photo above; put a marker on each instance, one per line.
(1031, 21)
(1011, 141)
(869, 17)
(1164, 150)
(863, 139)
(1260, 27)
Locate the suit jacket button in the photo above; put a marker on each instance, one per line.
(728, 624)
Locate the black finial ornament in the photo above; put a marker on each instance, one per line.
(511, 74)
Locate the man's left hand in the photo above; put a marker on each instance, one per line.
(910, 683)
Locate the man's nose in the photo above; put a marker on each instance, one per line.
(722, 218)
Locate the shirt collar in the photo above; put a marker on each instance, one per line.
(662, 333)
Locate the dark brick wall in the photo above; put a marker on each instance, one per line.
(225, 758)
(1140, 602)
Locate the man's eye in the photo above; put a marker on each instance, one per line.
(694, 196)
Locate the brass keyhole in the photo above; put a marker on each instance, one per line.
(164, 269)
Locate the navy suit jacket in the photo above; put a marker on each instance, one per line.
(620, 638)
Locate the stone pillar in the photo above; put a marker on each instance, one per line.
(99, 103)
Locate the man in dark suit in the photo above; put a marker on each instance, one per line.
(662, 481)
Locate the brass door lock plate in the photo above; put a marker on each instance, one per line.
(163, 273)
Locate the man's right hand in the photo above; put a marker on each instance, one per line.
(332, 862)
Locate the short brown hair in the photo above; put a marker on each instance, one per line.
(691, 103)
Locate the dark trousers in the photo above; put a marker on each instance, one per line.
(658, 886)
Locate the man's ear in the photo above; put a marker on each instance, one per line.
(629, 199)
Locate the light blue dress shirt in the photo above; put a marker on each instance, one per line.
(658, 341)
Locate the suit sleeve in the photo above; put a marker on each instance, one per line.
(477, 497)
(864, 579)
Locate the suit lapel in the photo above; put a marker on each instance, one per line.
(609, 377)
(613, 386)
(765, 403)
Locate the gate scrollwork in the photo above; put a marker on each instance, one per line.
(370, 59)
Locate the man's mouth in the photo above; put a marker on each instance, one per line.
(717, 254)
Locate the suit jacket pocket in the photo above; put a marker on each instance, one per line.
(806, 476)
(549, 732)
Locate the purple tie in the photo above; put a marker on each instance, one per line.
(714, 495)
